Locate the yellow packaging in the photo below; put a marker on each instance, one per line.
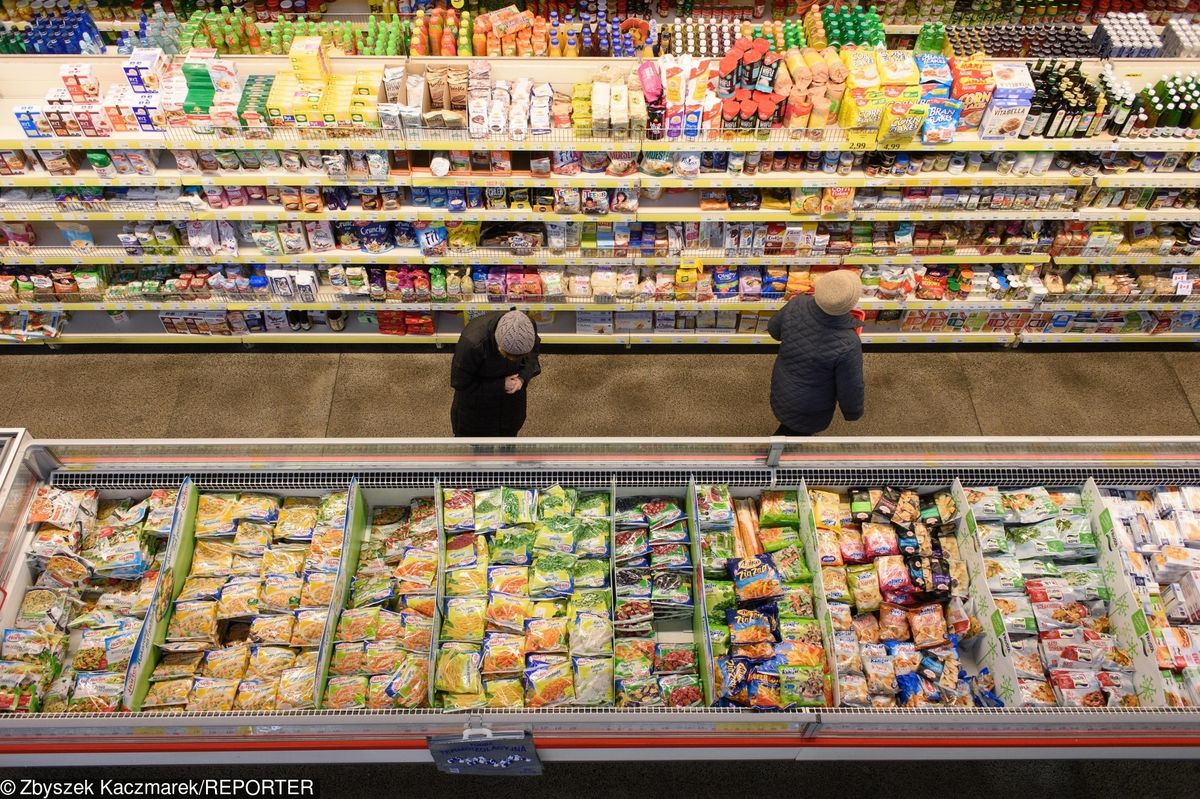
(858, 111)
(837, 200)
(367, 81)
(309, 60)
(902, 120)
(863, 68)
(279, 100)
(686, 277)
(825, 505)
(897, 68)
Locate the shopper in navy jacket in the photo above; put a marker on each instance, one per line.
(494, 360)
(820, 362)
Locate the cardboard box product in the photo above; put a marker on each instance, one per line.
(143, 69)
(1012, 81)
(1003, 118)
(598, 323)
(973, 85)
(634, 321)
(80, 82)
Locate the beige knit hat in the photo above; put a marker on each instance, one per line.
(838, 292)
(515, 334)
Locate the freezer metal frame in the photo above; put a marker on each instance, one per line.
(579, 733)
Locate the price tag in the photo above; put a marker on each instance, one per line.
(891, 146)
(857, 140)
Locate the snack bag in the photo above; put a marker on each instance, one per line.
(511, 546)
(457, 669)
(503, 653)
(801, 686)
(593, 680)
(546, 635)
(753, 625)
(505, 694)
(755, 578)
(407, 687)
(639, 692)
(508, 612)
(464, 620)
(519, 505)
(778, 509)
(634, 658)
(489, 510)
(458, 509)
(556, 501)
(549, 682)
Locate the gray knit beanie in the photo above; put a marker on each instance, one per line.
(838, 292)
(514, 333)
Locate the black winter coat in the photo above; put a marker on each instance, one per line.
(481, 408)
(819, 366)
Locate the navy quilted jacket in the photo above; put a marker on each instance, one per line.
(819, 366)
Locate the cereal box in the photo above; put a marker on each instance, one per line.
(973, 85)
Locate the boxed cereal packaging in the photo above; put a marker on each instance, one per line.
(973, 86)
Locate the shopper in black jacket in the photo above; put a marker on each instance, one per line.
(494, 360)
(820, 357)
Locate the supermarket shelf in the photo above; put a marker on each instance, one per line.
(677, 214)
(1135, 215)
(162, 177)
(700, 337)
(999, 258)
(314, 337)
(859, 179)
(652, 213)
(559, 139)
(1002, 337)
(458, 180)
(1150, 304)
(1111, 338)
(336, 302)
(53, 256)
(67, 337)
(1179, 179)
(378, 139)
(867, 338)
(1127, 258)
(170, 176)
(874, 304)
(722, 338)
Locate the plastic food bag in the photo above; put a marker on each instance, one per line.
(457, 669)
(549, 682)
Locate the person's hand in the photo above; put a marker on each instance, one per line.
(512, 384)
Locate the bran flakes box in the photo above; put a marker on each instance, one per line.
(973, 86)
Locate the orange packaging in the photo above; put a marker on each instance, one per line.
(973, 86)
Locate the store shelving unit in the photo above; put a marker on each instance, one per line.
(383, 467)
(677, 205)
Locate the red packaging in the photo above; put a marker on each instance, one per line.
(973, 86)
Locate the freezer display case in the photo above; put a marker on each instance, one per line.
(198, 601)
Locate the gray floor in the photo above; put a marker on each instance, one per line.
(307, 394)
(983, 779)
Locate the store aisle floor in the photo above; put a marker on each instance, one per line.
(356, 393)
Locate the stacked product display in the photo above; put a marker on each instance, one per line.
(677, 197)
(525, 598)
